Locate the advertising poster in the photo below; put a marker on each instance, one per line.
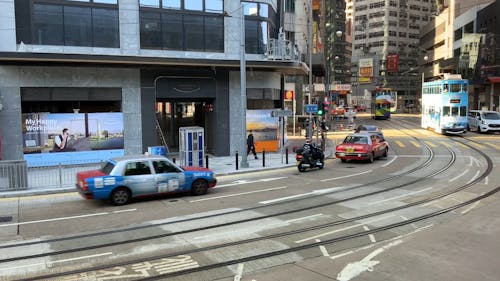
(70, 137)
(264, 128)
(365, 70)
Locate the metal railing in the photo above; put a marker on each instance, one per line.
(15, 175)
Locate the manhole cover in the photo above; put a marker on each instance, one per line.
(5, 219)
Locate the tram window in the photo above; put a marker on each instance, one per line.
(446, 111)
(454, 111)
(463, 111)
(445, 88)
(456, 88)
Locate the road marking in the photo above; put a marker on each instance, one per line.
(323, 249)
(474, 160)
(486, 180)
(400, 196)
(342, 229)
(239, 272)
(471, 207)
(238, 194)
(352, 270)
(314, 192)
(405, 219)
(57, 261)
(123, 211)
(455, 178)
(371, 236)
(430, 144)
(388, 163)
(493, 145)
(400, 143)
(240, 182)
(478, 145)
(445, 144)
(474, 177)
(55, 219)
(415, 143)
(462, 145)
(348, 176)
(303, 218)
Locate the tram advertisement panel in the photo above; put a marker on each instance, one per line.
(62, 133)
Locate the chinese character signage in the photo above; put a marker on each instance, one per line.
(392, 63)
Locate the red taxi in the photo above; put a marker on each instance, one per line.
(362, 146)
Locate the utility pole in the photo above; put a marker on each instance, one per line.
(243, 85)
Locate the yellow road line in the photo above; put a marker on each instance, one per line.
(493, 145)
(430, 144)
(445, 144)
(462, 145)
(415, 143)
(478, 145)
(401, 144)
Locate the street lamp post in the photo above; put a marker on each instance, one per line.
(243, 85)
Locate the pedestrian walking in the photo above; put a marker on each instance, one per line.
(251, 145)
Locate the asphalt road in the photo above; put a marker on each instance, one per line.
(461, 244)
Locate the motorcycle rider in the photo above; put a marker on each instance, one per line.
(313, 151)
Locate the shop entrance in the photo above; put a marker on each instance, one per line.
(173, 114)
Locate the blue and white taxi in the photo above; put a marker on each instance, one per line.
(123, 178)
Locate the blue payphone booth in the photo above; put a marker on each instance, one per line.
(191, 146)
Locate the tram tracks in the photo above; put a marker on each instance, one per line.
(301, 247)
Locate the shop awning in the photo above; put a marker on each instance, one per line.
(494, 79)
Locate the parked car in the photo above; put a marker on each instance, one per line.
(362, 146)
(483, 121)
(364, 128)
(123, 178)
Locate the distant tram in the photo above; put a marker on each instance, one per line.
(445, 104)
(383, 103)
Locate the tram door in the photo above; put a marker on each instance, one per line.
(172, 115)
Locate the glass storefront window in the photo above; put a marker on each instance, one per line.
(171, 4)
(105, 28)
(77, 26)
(193, 33)
(172, 31)
(149, 3)
(194, 5)
(250, 9)
(48, 24)
(214, 33)
(214, 6)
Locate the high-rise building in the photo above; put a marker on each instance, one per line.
(386, 46)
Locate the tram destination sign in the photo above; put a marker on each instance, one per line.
(281, 113)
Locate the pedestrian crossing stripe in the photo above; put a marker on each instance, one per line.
(415, 143)
(401, 144)
(493, 145)
(445, 144)
(430, 144)
(477, 145)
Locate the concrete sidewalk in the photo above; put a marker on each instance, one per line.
(58, 180)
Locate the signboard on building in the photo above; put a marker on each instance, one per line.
(365, 70)
(392, 63)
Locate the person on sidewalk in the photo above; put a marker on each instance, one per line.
(251, 145)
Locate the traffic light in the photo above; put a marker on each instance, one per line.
(321, 109)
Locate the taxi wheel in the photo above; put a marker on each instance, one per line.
(385, 153)
(370, 158)
(120, 196)
(199, 187)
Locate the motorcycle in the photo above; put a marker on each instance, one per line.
(305, 159)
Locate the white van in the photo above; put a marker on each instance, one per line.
(483, 121)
